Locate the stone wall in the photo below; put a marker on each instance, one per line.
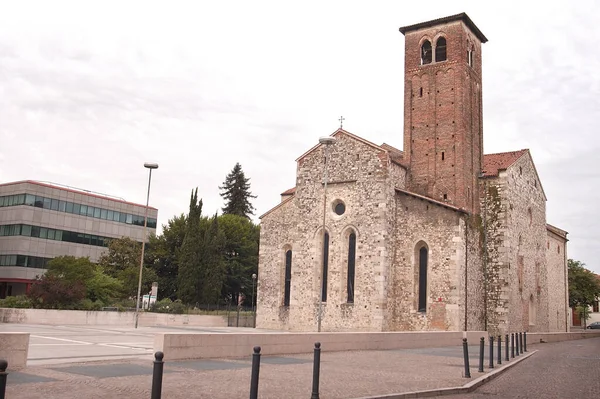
(441, 230)
(557, 281)
(82, 317)
(359, 176)
(516, 250)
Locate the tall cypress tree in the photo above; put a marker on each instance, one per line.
(236, 193)
(190, 254)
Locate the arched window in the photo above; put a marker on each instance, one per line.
(426, 52)
(440, 49)
(325, 268)
(422, 293)
(351, 263)
(288, 278)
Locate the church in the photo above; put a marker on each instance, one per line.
(436, 236)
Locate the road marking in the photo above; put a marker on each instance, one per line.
(63, 339)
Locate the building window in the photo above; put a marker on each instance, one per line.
(470, 57)
(422, 279)
(351, 267)
(595, 307)
(288, 277)
(339, 207)
(440, 49)
(426, 52)
(325, 268)
(73, 208)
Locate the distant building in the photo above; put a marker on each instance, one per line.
(39, 221)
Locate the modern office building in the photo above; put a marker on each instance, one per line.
(39, 221)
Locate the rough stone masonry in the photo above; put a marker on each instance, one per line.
(438, 236)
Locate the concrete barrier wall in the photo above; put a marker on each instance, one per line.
(198, 346)
(82, 317)
(534, 338)
(14, 348)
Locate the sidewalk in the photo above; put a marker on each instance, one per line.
(344, 375)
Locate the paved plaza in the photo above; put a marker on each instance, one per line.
(113, 362)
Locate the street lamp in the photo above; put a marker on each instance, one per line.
(253, 307)
(327, 141)
(149, 166)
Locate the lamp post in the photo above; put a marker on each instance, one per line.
(327, 141)
(149, 166)
(253, 306)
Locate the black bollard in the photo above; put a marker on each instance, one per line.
(157, 375)
(516, 344)
(481, 350)
(466, 356)
(316, 371)
(255, 370)
(525, 340)
(491, 351)
(3, 374)
(521, 342)
(506, 348)
(499, 349)
(512, 345)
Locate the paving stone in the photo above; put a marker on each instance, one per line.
(16, 377)
(207, 365)
(107, 370)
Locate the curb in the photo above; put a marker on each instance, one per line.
(467, 388)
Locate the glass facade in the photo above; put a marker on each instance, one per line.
(73, 208)
(53, 234)
(24, 261)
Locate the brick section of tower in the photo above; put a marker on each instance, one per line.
(443, 132)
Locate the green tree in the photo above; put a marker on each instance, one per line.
(236, 193)
(584, 286)
(53, 292)
(71, 269)
(162, 256)
(122, 261)
(212, 267)
(189, 256)
(240, 255)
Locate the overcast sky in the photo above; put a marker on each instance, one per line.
(90, 93)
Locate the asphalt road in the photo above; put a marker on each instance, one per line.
(562, 370)
(68, 344)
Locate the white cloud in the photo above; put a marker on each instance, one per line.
(89, 92)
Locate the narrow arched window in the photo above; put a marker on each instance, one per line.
(325, 268)
(426, 52)
(440, 49)
(351, 263)
(422, 306)
(288, 278)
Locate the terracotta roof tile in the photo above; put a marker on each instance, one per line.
(289, 191)
(494, 163)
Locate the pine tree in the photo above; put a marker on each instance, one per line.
(236, 193)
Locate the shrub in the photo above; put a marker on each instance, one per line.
(19, 301)
(168, 306)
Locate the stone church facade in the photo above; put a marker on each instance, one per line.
(435, 237)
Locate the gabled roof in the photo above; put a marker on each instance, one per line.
(396, 155)
(494, 163)
(342, 131)
(559, 232)
(289, 191)
(276, 206)
(440, 21)
(431, 200)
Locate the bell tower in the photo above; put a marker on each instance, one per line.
(443, 127)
